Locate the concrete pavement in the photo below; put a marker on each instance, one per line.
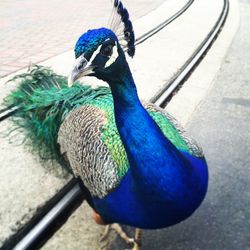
(33, 30)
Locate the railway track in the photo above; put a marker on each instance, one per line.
(59, 208)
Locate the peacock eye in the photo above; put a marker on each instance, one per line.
(80, 66)
(81, 63)
(107, 50)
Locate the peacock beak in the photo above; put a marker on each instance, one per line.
(81, 68)
(72, 78)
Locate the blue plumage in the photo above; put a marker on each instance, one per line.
(147, 210)
(163, 185)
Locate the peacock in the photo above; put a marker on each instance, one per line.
(137, 163)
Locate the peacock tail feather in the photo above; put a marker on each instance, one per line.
(43, 100)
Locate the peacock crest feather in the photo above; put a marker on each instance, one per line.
(121, 25)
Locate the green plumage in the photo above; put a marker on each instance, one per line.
(44, 100)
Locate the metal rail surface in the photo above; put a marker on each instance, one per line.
(72, 195)
(194, 59)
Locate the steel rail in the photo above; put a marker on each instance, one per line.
(56, 211)
(73, 196)
(193, 60)
(162, 25)
(7, 112)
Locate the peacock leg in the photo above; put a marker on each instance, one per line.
(137, 239)
(118, 229)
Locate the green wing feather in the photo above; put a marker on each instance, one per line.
(170, 128)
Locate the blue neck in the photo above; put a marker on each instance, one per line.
(147, 148)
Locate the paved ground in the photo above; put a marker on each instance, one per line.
(33, 30)
(221, 125)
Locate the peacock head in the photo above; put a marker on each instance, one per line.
(100, 52)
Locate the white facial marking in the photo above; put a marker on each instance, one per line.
(96, 52)
(113, 56)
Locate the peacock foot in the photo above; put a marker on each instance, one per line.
(136, 246)
(137, 239)
(118, 229)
